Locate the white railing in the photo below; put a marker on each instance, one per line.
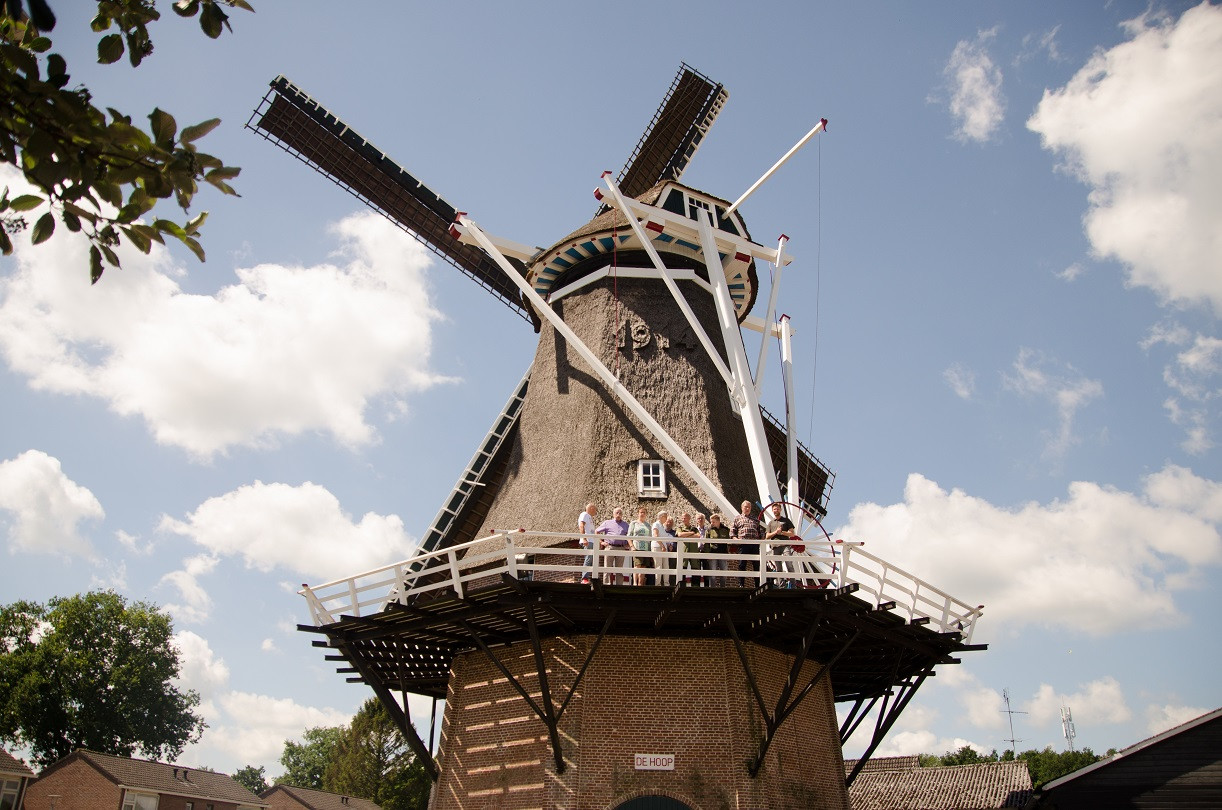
(823, 564)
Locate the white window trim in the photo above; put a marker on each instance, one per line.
(129, 798)
(651, 492)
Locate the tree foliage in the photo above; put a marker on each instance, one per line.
(1044, 766)
(92, 671)
(101, 173)
(252, 778)
(369, 759)
(305, 762)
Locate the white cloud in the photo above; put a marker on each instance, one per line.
(251, 728)
(269, 645)
(199, 668)
(196, 602)
(300, 529)
(977, 103)
(961, 380)
(1141, 124)
(1037, 376)
(1096, 703)
(1100, 561)
(281, 352)
(1035, 44)
(46, 507)
(1159, 718)
(1194, 375)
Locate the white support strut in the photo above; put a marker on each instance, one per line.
(600, 370)
(617, 200)
(772, 296)
(749, 406)
(793, 494)
(819, 127)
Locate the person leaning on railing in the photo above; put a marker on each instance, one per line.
(615, 539)
(717, 531)
(748, 532)
(640, 531)
(690, 537)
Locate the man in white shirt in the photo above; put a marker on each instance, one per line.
(585, 527)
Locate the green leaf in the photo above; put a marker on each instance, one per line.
(224, 173)
(95, 264)
(194, 246)
(111, 258)
(56, 66)
(110, 49)
(163, 126)
(196, 223)
(40, 45)
(186, 8)
(212, 20)
(6, 244)
(26, 202)
(43, 228)
(142, 242)
(72, 221)
(197, 131)
(170, 227)
(100, 23)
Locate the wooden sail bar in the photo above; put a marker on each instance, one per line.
(454, 569)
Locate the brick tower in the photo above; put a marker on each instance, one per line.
(676, 694)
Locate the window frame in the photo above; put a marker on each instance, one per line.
(649, 471)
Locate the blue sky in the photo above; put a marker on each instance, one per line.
(1007, 290)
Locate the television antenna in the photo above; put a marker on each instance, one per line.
(1005, 693)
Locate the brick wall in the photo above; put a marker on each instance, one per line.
(79, 786)
(686, 697)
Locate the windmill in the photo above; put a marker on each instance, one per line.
(640, 392)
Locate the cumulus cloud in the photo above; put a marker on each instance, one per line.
(45, 507)
(284, 350)
(300, 529)
(1141, 125)
(1095, 703)
(977, 104)
(198, 667)
(1099, 561)
(1036, 375)
(1193, 373)
(243, 727)
(195, 603)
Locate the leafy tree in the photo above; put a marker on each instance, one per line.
(373, 761)
(305, 762)
(251, 778)
(966, 755)
(100, 172)
(1047, 765)
(92, 671)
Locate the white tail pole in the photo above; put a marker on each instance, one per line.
(821, 126)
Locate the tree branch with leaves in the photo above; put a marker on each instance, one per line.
(101, 173)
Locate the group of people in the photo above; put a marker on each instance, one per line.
(629, 545)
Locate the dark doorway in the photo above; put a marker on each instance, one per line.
(653, 803)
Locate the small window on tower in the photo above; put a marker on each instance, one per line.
(694, 207)
(651, 478)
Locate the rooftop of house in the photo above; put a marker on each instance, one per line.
(320, 799)
(11, 766)
(158, 777)
(899, 783)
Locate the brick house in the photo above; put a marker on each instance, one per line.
(15, 775)
(87, 780)
(899, 783)
(287, 797)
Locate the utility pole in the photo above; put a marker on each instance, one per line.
(1005, 693)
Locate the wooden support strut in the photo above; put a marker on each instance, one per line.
(397, 714)
(886, 719)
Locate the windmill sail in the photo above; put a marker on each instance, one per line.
(304, 128)
(675, 133)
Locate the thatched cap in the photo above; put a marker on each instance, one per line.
(609, 232)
